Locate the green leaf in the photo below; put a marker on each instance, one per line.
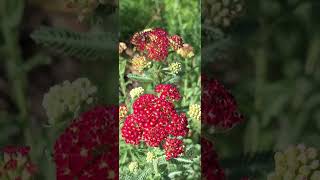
(174, 174)
(88, 46)
(140, 78)
(183, 160)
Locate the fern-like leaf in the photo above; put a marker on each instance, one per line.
(91, 45)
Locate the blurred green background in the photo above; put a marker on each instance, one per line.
(269, 59)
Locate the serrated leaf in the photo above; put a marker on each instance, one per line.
(140, 78)
(87, 46)
(183, 160)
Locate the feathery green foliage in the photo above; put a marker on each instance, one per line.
(87, 46)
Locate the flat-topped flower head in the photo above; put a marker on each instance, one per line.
(219, 107)
(133, 167)
(195, 111)
(153, 42)
(175, 67)
(139, 63)
(154, 118)
(156, 43)
(136, 92)
(296, 162)
(88, 148)
(68, 97)
(186, 51)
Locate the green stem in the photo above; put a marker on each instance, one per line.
(15, 73)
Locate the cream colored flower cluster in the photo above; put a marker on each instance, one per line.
(296, 163)
(67, 98)
(136, 92)
(175, 67)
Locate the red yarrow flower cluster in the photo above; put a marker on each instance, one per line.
(218, 106)
(156, 43)
(210, 167)
(155, 120)
(88, 148)
(16, 163)
(173, 147)
(168, 92)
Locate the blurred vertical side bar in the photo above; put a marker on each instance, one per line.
(59, 89)
(219, 109)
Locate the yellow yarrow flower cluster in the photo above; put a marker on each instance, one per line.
(186, 51)
(195, 111)
(296, 163)
(123, 111)
(150, 157)
(175, 67)
(136, 92)
(140, 62)
(133, 167)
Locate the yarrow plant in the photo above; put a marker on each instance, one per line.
(155, 132)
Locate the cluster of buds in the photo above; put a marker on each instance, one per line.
(67, 97)
(155, 121)
(139, 63)
(123, 111)
(195, 114)
(16, 164)
(136, 92)
(195, 111)
(296, 162)
(156, 43)
(186, 51)
(88, 148)
(175, 67)
(219, 108)
(133, 167)
(150, 157)
(221, 13)
(210, 166)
